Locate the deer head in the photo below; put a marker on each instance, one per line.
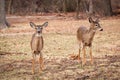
(38, 28)
(95, 24)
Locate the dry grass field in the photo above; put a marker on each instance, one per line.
(60, 42)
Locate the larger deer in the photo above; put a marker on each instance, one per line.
(37, 44)
(85, 37)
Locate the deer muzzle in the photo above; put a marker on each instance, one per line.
(101, 29)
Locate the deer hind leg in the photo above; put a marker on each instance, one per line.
(79, 52)
(91, 55)
(41, 62)
(84, 56)
(33, 63)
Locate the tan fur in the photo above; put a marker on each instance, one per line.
(37, 43)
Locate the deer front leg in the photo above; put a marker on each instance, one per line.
(84, 56)
(33, 63)
(41, 62)
(91, 55)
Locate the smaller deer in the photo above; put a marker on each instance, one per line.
(37, 44)
(85, 37)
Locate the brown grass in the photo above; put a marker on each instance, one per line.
(60, 42)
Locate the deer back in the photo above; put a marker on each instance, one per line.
(81, 32)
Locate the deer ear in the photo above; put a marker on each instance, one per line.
(90, 19)
(32, 25)
(45, 24)
(97, 20)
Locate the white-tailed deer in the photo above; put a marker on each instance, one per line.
(37, 44)
(85, 37)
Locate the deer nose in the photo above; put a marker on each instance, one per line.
(38, 31)
(101, 29)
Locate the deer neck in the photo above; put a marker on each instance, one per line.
(91, 31)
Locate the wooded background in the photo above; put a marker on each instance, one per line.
(33, 7)
(25, 7)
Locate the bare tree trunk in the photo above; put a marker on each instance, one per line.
(9, 6)
(64, 6)
(103, 7)
(77, 9)
(91, 7)
(108, 11)
(3, 22)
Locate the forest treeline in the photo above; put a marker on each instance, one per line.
(29, 7)
(24, 7)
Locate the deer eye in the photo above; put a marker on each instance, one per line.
(96, 25)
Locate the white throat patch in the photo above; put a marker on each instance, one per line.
(38, 35)
(94, 30)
